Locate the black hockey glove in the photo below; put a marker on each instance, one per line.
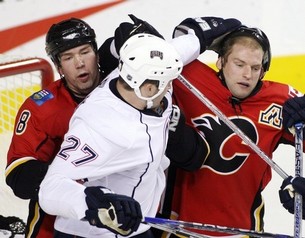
(13, 224)
(289, 186)
(118, 213)
(126, 30)
(293, 112)
(108, 59)
(209, 30)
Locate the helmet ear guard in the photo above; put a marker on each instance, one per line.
(145, 56)
(68, 34)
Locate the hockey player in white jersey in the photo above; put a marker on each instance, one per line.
(109, 172)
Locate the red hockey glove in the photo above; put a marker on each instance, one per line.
(289, 186)
(209, 30)
(118, 213)
(293, 112)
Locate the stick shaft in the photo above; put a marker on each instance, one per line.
(208, 227)
(180, 232)
(298, 201)
(232, 126)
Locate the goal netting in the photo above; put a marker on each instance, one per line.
(19, 78)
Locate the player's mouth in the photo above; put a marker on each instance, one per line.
(243, 84)
(83, 77)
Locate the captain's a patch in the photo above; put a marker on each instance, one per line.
(42, 96)
(272, 116)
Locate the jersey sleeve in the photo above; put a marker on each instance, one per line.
(187, 46)
(70, 166)
(40, 125)
(24, 170)
(85, 156)
(27, 133)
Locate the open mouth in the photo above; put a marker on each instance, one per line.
(83, 76)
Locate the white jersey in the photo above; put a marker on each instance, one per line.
(109, 143)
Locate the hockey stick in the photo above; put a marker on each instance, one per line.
(174, 224)
(232, 126)
(178, 231)
(298, 206)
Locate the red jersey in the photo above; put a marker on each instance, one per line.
(226, 190)
(40, 126)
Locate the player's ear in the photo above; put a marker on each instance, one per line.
(219, 63)
(148, 89)
(59, 70)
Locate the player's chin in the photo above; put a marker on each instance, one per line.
(86, 87)
(241, 94)
(243, 91)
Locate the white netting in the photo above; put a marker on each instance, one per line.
(15, 89)
(19, 78)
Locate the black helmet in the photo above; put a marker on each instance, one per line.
(68, 34)
(256, 34)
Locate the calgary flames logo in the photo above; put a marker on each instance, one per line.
(228, 151)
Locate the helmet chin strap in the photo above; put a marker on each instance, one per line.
(149, 100)
(149, 104)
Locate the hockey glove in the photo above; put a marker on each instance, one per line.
(118, 213)
(289, 186)
(126, 30)
(108, 60)
(293, 112)
(13, 224)
(209, 30)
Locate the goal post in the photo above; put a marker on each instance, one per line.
(18, 80)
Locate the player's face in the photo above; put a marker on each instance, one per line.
(242, 69)
(79, 66)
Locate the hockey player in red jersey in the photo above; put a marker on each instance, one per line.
(226, 190)
(43, 118)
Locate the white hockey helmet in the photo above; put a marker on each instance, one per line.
(145, 56)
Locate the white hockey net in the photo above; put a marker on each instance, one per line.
(18, 80)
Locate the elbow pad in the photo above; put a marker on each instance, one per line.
(25, 179)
